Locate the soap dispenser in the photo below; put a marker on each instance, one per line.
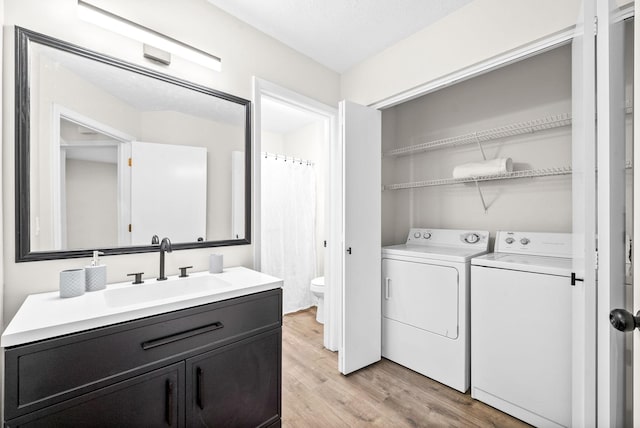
(96, 274)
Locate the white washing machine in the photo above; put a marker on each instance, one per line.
(425, 304)
(521, 327)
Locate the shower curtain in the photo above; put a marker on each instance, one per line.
(288, 243)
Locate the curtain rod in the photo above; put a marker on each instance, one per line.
(287, 158)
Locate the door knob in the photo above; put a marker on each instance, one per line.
(349, 250)
(623, 320)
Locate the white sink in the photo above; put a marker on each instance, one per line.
(159, 290)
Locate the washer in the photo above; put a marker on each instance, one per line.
(521, 327)
(425, 305)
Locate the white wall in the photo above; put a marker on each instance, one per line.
(245, 52)
(272, 142)
(531, 89)
(478, 31)
(92, 204)
(2, 234)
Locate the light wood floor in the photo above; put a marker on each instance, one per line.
(385, 394)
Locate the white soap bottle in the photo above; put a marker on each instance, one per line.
(96, 274)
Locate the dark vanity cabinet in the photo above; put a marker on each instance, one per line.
(213, 365)
(235, 385)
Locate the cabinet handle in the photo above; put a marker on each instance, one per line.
(199, 383)
(169, 401)
(387, 281)
(179, 336)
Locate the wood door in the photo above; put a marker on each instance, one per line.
(168, 192)
(361, 340)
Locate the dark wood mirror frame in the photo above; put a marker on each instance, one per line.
(22, 149)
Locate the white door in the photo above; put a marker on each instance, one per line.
(361, 339)
(168, 192)
(584, 389)
(237, 195)
(635, 307)
(610, 101)
(598, 223)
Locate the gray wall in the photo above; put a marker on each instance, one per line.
(527, 90)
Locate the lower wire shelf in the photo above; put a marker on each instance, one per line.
(529, 173)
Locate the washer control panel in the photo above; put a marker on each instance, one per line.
(424, 235)
(534, 243)
(471, 238)
(463, 238)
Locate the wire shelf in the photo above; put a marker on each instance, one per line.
(514, 129)
(529, 173)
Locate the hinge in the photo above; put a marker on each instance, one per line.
(129, 227)
(129, 161)
(595, 260)
(595, 25)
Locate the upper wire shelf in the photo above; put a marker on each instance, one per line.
(542, 172)
(520, 128)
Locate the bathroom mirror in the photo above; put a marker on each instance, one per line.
(110, 154)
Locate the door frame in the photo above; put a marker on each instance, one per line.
(610, 187)
(333, 183)
(583, 407)
(636, 230)
(58, 218)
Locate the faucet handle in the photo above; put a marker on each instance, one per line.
(183, 271)
(138, 277)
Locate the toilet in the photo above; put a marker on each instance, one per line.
(317, 288)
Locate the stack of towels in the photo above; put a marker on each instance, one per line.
(486, 167)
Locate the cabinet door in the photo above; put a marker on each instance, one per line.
(238, 385)
(151, 400)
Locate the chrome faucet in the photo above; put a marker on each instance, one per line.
(165, 246)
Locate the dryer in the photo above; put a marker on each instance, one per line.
(425, 304)
(521, 327)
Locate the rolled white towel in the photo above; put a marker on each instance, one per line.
(487, 167)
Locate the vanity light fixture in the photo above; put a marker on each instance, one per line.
(117, 24)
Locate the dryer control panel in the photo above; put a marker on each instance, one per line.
(452, 237)
(534, 243)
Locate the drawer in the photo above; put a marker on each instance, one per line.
(61, 368)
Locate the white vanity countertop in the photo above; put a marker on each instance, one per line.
(46, 315)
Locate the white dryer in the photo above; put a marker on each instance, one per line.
(425, 304)
(521, 327)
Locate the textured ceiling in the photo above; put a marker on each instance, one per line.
(339, 33)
